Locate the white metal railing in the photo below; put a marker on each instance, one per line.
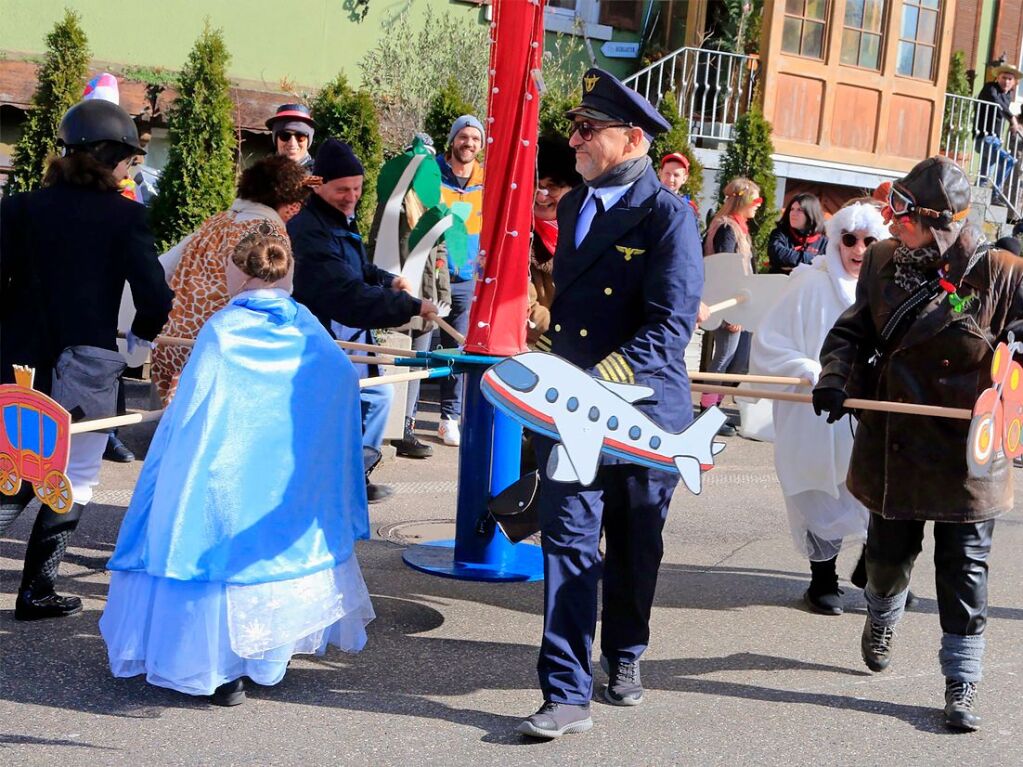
(981, 140)
(712, 87)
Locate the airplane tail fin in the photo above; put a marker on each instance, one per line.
(697, 448)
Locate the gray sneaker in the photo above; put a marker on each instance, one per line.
(556, 719)
(624, 687)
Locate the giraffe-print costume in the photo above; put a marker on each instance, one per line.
(200, 284)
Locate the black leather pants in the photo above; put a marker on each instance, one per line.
(960, 560)
(47, 542)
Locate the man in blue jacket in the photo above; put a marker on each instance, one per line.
(348, 294)
(629, 272)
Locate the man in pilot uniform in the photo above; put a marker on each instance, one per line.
(628, 274)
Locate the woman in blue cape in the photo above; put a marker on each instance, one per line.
(237, 550)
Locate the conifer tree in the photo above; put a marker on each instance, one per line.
(199, 179)
(446, 106)
(677, 140)
(344, 113)
(749, 155)
(61, 82)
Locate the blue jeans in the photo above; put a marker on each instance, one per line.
(376, 404)
(991, 151)
(451, 387)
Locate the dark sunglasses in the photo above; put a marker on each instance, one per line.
(849, 239)
(586, 130)
(287, 135)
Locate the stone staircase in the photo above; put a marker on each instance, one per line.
(990, 213)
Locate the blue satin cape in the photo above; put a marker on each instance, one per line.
(255, 472)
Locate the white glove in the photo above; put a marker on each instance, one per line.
(443, 309)
(132, 341)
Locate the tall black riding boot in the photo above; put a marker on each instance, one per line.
(824, 596)
(37, 598)
(11, 506)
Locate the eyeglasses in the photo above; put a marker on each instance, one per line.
(285, 136)
(586, 130)
(849, 239)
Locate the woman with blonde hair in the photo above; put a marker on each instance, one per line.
(728, 232)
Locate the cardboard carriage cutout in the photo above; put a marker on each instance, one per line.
(35, 439)
(998, 414)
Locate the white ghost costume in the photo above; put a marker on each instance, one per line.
(811, 456)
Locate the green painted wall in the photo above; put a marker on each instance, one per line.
(305, 42)
(985, 34)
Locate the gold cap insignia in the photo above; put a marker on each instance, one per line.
(589, 83)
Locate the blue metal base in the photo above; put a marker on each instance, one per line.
(524, 562)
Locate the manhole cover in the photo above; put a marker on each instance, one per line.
(418, 531)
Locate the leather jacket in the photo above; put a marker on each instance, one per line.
(911, 466)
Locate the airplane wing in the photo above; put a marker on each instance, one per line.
(628, 392)
(580, 449)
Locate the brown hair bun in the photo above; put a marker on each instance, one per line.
(265, 256)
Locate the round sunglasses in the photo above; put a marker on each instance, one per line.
(849, 239)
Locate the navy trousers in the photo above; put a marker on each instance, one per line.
(631, 502)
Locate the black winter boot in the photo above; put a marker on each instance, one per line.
(47, 544)
(409, 445)
(374, 493)
(960, 698)
(824, 597)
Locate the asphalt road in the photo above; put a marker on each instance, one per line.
(738, 673)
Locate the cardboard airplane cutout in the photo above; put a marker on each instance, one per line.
(589, 416)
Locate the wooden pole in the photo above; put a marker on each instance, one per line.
(370, 360)
(905, 408)
(399, 377)
(737, 378)
(728, 303)
(97, 424)
(446, 327)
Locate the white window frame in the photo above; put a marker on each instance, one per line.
(581, 21)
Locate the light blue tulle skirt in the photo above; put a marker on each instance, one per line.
(195, 636)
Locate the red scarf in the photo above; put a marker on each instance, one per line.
(547, 231)
(741, 221)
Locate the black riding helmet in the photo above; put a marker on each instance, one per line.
(94, 121)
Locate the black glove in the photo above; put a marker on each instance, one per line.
(830, 400)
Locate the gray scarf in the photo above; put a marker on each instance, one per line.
(621, 174)
(911, 265)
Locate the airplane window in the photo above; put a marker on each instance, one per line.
(655, 442)
(552, 395)
(635, 432)
(612, 423)
(572, 404)
(594, 414)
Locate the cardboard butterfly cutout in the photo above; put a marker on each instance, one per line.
(35, 440)
(588, 417)
(998, 414)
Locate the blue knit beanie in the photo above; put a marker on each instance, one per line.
(466, 121)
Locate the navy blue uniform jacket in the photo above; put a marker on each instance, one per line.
(625, 301)
(333, 277)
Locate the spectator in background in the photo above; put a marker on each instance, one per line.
(348, 294)
(728, 232)
(461, 184)
(557, 175)
(799, 235)
(269, 193)
(674, 175)
(991, 117)
(293, 128)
